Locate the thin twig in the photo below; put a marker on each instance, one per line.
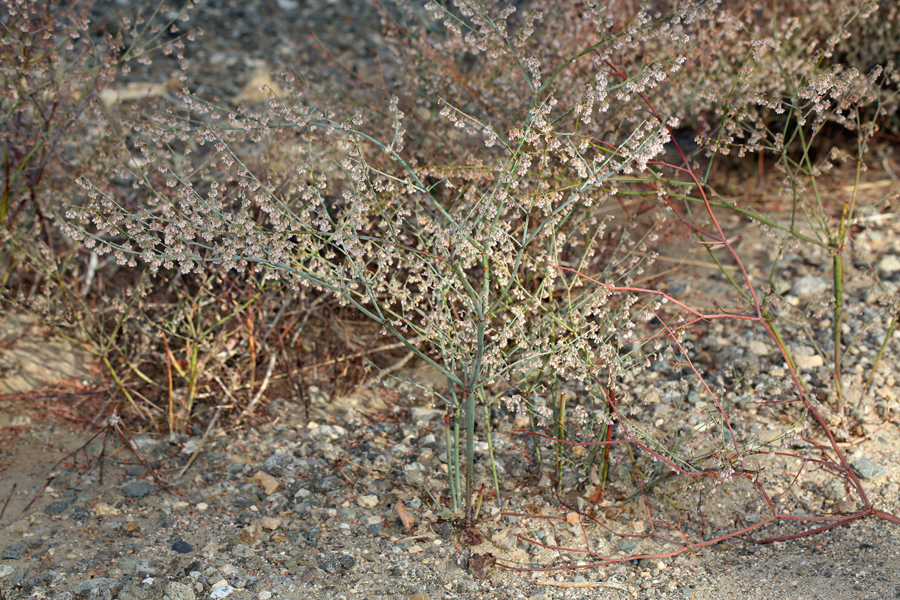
(249, 410)
(584, 584)
(341, 359)
(8, 498)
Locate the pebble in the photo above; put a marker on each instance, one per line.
(83, 588)
(866, 469)
(221, 592)
(271, 523)
(268, 483)
(329, 564)
(888, 266)
(367, 501)
(138, 490)
(12, 552)
(243, 551)
(422, 416)
(58, 508)
(179, 591)
(808, 362)
(127, 565)
(327, 433)
(182, 547)
(627, 546)
(330, 483)
(758, 348)
(807, 286)
(6, 571)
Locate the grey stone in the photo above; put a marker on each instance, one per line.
(329, 564)
(866, 469)
(182, 547)
(138, 490)
(628, 546)
(420, 415)
(808, 286)
(179, 591)
(127, 565)
(346, 514)
(570, 479)
(91, 586)
(58, 508)
(5, 572)
(327, 433)
(330, 483)
(243, 551)
(835, 491)
(347, 561)
(12, 552)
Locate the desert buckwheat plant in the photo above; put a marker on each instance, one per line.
(486, 214)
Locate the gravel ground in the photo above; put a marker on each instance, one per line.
(298, 509)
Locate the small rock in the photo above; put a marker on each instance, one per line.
(367, 501)
(347, 561)
(179, 591)
(808, 362)
(329, 564)
(866, 469)
(888, 266)
(330, 483)
(5, 572)
(138, 490)
(759, 348)
(264, 595)
(346, 514)
(268, 483)
(105, 510)
(86, 587)
(182, 547)
(221, 592)
(422, 416)
(271, 523)
(243, 551)
(807, 286)
(127, 565)
(327, 433)
(628, 546)
(834, 490)
(419, 596)
(12, 552)
(58, 508)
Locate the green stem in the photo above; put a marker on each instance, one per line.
(451, 467)
(887, 338)
(838, 301)
(469, 397)
(487, 420)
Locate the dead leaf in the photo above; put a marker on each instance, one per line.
(597, 496)
(471, 536)
(480, 565)
(405, 517)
